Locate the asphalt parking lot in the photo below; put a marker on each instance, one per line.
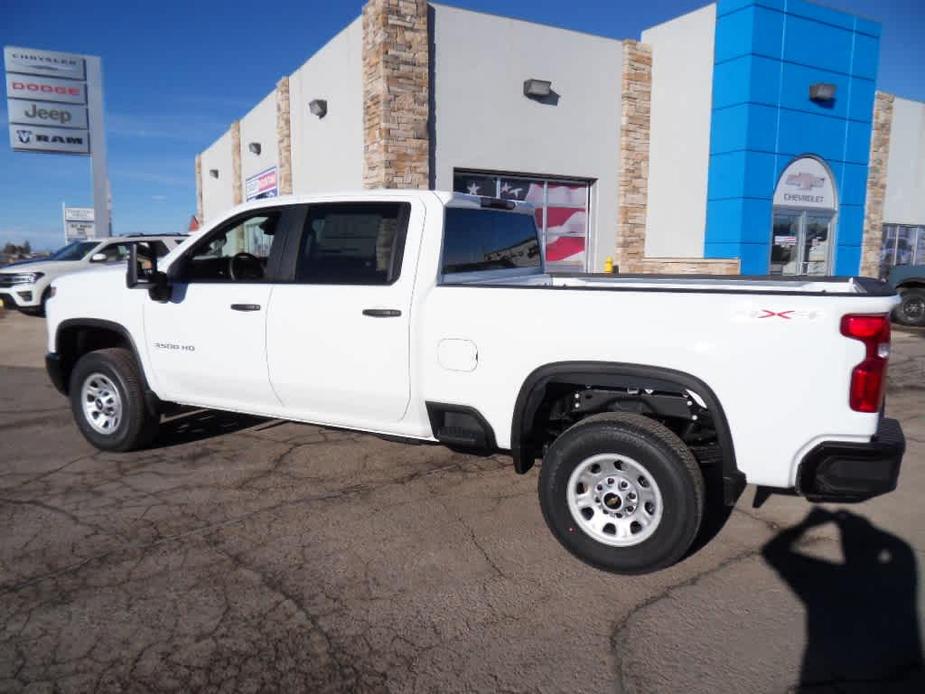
(242, 554)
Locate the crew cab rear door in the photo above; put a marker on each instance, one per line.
(338, 331)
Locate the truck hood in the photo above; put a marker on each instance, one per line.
(57, 267)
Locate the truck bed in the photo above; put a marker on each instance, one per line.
(759, 284)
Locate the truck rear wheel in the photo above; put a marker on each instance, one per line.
(622, 493)
(108, 402)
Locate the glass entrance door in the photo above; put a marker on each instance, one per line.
(801, 242)
(815, 243)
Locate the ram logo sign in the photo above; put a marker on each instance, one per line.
(42, 139)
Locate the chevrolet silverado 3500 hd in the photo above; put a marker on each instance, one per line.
(430, 316)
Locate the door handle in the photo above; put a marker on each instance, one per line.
(245, 307)
(381, 312)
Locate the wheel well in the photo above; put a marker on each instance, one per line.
(556, 396)
(77, 339)
(912, 284)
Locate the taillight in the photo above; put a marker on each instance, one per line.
(868, 379)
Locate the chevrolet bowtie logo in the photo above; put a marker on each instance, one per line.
(805, 181)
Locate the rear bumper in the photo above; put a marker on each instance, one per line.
(840, 471)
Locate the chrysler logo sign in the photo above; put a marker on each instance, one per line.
(53, 64)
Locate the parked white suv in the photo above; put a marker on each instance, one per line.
(26, 285)
(431, 316)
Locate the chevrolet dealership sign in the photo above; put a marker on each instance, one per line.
(46, 96)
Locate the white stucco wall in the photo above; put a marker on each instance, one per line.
(679, 150)
(217, 193)
(482, 120)
(327, 153)
(905, 181)
(259, 125)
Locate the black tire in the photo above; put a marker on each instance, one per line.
(662, 454)
(911, 310)
(137, 425)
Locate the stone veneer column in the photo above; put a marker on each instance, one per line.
(283, 136)
(395, 94)
(199, 189)
(876, 184)
(236, 185)
(634, 156)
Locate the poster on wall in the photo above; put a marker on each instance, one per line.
(261, 185)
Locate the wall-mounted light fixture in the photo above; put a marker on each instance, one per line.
(254, 147)
(822, 91)
(213, 173)
(537, 89)
(318, 107)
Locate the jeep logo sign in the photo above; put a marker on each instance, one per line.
(40, 113)
(807, 183)
(40, 139)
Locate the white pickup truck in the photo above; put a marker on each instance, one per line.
(430, 316)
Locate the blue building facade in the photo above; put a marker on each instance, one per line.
(767, 55)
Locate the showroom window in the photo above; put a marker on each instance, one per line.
(902, 245)
(562, 207)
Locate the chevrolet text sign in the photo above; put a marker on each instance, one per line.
(806, 182)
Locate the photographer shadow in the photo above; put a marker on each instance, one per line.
(862, 627)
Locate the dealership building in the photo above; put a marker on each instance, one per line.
(745, 137)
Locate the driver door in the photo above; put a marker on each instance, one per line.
(207, 344)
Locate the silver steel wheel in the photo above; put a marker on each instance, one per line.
(614, 499)
(102, 403)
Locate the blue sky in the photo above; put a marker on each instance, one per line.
(177, 73)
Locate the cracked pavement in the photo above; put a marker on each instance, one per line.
(244, 554)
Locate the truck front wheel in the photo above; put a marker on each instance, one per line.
(108, 403)
(622, 493)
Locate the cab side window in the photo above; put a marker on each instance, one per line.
(235, 253)
(115, 252)
(352, 243)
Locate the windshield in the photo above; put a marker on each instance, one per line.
(75, 250)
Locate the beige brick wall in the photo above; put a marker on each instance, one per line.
(237, 185)
(690, 266)
(876, 184)
(396, 94)
(284, 136)
(634, 156)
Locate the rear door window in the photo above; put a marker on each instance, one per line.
(353, 243)
(476, 239)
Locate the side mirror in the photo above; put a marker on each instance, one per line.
(142, 273)
(98, 258)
